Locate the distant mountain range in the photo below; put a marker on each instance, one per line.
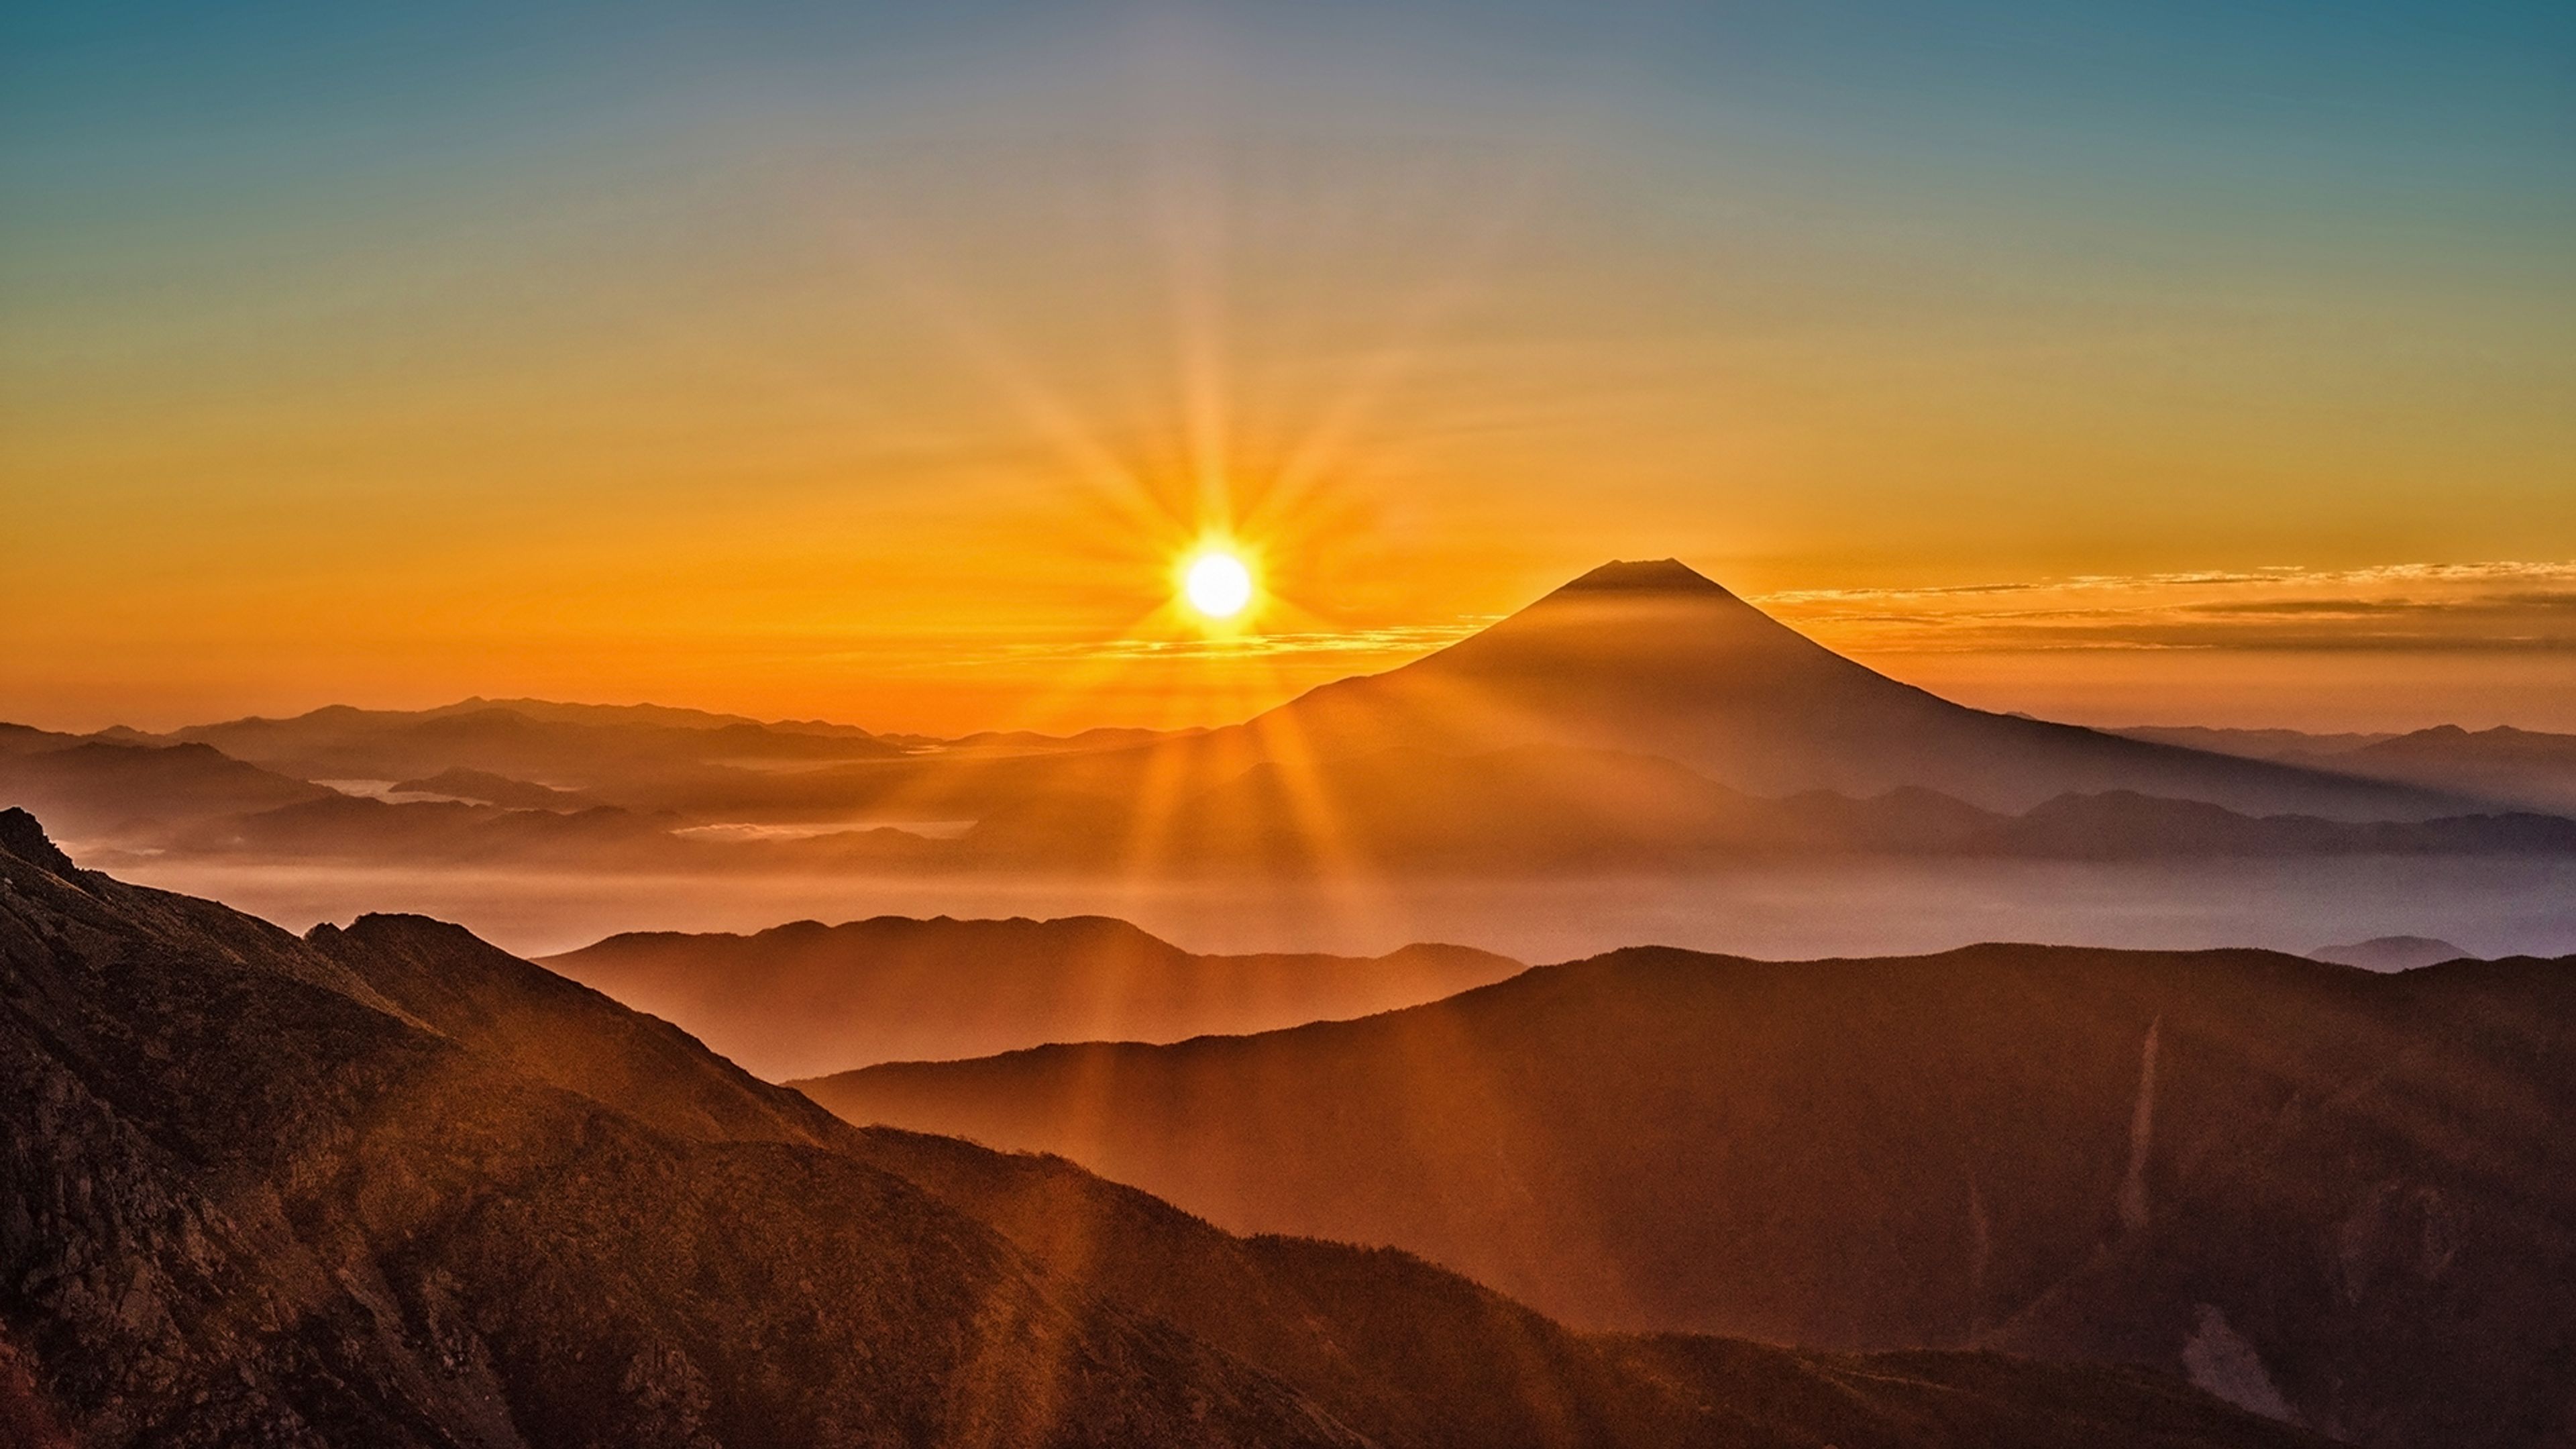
(1641, 718)
(2524, 769)
(2392, 953)
(388, 1186)
(805, 998)
(1531, 809)
(2344, 1197)
(1537, 809)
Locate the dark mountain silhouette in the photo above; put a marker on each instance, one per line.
(804, 998)
(1522, 809)
(1210, 808)
(2529, 769)
(20, 739)
(1021, 742)
(1530, 810)
(2258, 744)
(645, 759)
(659, 715)
(1556, 808)
(564, 745)
(1655, 659)
(2392, 953)
(427, 833)
(484, 787)
(98, 790)
(389, 1186)
(2122, 824)
(2522, 767)
(2336, 1195)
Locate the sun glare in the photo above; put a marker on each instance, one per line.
(1217, 584)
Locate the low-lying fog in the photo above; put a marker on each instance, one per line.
(2491, 906)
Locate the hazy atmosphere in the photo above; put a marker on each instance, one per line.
(1226, 724)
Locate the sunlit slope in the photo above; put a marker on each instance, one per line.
(2359, 1184)
(1654, 658)
(389, 1186)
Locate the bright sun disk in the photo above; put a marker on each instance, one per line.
(1217, 584)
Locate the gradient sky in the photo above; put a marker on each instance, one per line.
(2164, 362)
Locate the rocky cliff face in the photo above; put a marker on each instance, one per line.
(387, 1186)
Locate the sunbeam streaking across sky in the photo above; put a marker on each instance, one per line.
(1429, 309)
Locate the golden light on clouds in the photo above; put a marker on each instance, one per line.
(2389, 646)
(922, 425)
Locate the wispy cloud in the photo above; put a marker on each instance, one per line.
(2480, 607)
(1404, 641)
(2502, 605)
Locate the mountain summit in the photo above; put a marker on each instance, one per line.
(1659, 575)
(1655, 658)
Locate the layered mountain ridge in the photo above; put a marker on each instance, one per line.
(387, 1185)
(805, 998)
(1640, 718)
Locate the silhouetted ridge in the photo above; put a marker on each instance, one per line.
(2393, 953)
(24, 837)
(804, 997)
(1645, 576)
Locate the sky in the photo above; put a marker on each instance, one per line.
(2131, 363)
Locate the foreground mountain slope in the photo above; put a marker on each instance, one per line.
(1418, 1355)
(2343, 1196)
(805, 998)
(1406, 1352)
(1656, 659)
(390, 1186)
(251, 1201)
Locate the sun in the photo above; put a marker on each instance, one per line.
(1217, 583)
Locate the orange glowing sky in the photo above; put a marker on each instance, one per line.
(795, 368)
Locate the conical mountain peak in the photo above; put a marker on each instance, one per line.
(1645, 576)
(1651, 657)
